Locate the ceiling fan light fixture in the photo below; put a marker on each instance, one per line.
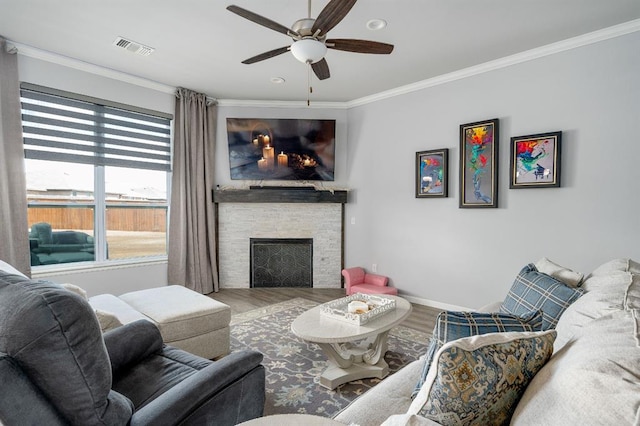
(308, 50)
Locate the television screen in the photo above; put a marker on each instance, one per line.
(281, 149)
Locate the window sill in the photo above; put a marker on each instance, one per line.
(64, 269)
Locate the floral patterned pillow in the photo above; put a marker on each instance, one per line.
(479, 380)
(452, 325)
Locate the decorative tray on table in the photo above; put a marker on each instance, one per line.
(359, 308)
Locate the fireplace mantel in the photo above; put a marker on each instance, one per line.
(279, 195)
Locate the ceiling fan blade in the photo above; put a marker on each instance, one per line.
(331, 15)
(359, 46)
(266, 55)
(321, 69)
(261, 20)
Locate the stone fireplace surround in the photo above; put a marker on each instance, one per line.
(279, 213)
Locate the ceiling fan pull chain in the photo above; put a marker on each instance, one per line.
(309, 81)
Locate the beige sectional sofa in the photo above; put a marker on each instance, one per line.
(186, 319)
(592, 378)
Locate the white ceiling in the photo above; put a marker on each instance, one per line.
(200, 45)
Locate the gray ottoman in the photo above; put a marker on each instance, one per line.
(187, 320)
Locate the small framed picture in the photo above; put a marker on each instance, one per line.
(479, 164)
(432, 167)
(535, 160)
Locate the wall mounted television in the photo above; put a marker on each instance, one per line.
(281, 149)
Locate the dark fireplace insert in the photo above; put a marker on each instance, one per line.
(281, 262)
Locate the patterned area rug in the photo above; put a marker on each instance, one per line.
(293, 366)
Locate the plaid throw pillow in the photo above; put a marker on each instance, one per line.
(533, 290)
(451, 325)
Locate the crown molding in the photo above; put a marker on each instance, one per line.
(507, 61)
(529, 55)
(282, 104)
(45, 55)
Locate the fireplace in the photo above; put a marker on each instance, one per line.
(281, 262)
(285, 214)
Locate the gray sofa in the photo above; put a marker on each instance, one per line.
(57, 368)
(592, 378)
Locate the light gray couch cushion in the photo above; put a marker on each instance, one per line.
(592, 380)
(391, 396)
(113, 305)
(609, 288)
(178, 312)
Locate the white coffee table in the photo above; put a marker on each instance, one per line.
(354, 351)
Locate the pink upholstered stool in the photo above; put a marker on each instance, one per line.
(358, 281)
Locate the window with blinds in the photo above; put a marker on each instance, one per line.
(98, 177)
(56, 128)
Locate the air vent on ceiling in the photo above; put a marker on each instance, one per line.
(133, 46)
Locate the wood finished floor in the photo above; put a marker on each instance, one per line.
(241, 300)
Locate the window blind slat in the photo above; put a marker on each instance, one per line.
(28, 130)
(29, 109)
(94, 149)
(96, 161)
(58, 100)
(93, 128)
(149, 148)
(137, 116)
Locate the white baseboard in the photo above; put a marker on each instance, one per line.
(434, 304)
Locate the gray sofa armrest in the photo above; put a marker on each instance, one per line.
(236, 380)
(130, 343)
(389, 397)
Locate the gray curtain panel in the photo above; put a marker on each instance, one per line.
(13, 195)
(192, 249)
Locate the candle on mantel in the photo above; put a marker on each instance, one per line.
(283, 159)
(267, 154)
(266, 140)
(262, 164)
(255, 141)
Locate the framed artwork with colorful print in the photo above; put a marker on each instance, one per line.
(479, 164)
(535, 160)
(432, 173)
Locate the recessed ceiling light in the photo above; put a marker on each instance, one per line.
(277, 80)
(376, 24)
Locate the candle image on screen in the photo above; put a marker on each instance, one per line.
(267, 154)
(283, 160)
(284, 145)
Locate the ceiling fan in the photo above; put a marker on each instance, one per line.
(310, 42)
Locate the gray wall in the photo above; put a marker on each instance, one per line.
(433, 250)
